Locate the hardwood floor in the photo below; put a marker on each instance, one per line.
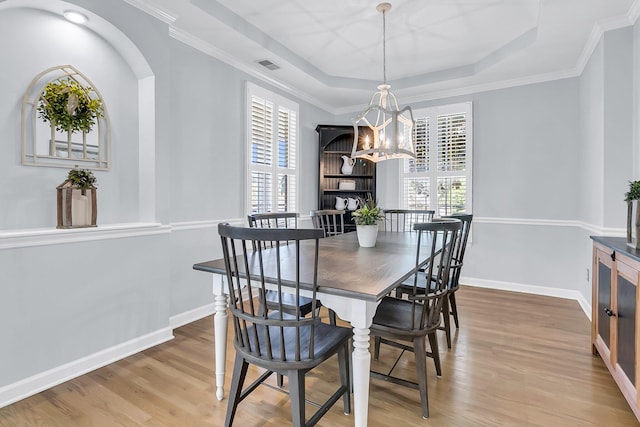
(517, 360)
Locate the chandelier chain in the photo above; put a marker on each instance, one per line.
(384, 47)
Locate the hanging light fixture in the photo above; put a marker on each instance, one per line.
(391, 128)
(390, 134)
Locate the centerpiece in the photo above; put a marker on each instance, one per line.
(366, 218)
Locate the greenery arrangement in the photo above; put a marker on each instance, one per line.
(81, 178)
(634, 191)
(66, 104)
(369, 213)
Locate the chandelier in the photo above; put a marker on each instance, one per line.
(390, 127)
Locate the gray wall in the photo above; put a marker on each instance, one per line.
(551, 161)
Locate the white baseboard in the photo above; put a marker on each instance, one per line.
(44, 380)
(191, 315)
(530, 289)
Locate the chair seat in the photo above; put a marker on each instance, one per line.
(289, 303)
(326, 339)
(394, 316)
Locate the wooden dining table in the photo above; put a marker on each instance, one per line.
(352, 281)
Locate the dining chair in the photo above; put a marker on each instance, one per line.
(449, 307)
(398, 321)
(273, 220)
(403, 219)
(329, 220)
(287, 344)
(290, 303)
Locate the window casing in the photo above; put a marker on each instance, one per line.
(440, 177)
(272, 152)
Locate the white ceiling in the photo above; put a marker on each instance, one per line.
(330, 51)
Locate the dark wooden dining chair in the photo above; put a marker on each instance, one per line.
(403, 219)
(398, 321)
(449, 308)
(274, 340)
(273, 220)
(290, 303)
(329, 220)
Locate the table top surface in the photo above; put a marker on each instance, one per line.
(345, 268)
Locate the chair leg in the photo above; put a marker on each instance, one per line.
(332, 317)
(344, 361)
(296, 395)
(279, 380)
(421, 368)
(435, 353)
(376, 348)
(454, 308)
(237, 381)
(447, 321)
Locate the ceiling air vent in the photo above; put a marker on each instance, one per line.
(268, 64)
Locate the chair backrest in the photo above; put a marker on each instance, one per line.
(461, 246)
(273, 220)
(436, 242)
(263, 333)
(403, 219)
(329, 220)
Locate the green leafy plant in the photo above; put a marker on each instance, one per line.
(81, 178)
(369, 213)
(66, 104)
(634, 191)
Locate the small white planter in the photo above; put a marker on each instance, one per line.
(367, 235)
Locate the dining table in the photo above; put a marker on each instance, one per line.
(351, 281)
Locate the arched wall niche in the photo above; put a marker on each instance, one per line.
(144, 98)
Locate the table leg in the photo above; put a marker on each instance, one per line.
(220, 333)
(361, 366)
(360, 314)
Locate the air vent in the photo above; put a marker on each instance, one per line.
(268, 64)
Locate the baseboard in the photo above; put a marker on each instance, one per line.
(191, 315)
(530, 289)
(45, 380)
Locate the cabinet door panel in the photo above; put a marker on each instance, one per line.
(627, 327)
(604, 302)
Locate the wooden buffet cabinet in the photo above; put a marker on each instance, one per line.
(615, 327)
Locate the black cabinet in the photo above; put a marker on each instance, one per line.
(335, 143)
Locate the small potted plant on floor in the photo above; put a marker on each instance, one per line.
(633, 218)
(366, 218)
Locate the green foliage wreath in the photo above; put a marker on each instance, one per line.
(67, 105)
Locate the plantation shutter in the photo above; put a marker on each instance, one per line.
(440, 176)
(272, 157)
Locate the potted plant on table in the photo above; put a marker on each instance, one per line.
(366, 218)
(633, 217)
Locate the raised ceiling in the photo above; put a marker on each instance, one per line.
(330, 51)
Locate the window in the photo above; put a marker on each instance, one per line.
(440, 176)
(272, 147)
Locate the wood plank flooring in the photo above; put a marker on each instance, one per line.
(517, 360)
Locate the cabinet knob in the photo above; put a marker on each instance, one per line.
(609, 312)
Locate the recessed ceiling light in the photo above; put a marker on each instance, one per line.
(75, 17)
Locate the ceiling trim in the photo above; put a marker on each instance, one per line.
(594, 37)
(153, 10)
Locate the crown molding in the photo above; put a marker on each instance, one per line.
(153, 10)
